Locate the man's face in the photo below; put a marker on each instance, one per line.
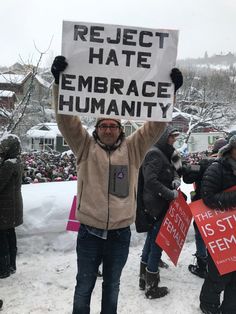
(108, 131)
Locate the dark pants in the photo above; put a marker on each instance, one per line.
(212, 287)
(7, 242)
(201, 250)
(91, 251)
(8, 250)
(152, 252)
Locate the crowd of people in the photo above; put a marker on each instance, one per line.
(41, 166)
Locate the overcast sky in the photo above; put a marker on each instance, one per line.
(204, 25)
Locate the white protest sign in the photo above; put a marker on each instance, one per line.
(117, 71)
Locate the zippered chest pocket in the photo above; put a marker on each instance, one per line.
(118, 180)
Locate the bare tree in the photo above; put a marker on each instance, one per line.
(15, 116)
(207, 96)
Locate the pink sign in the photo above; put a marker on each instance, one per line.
(73, 224)
(174, 228)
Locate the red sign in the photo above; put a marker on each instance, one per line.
(218, 230)
(73, 224)
(174, 228)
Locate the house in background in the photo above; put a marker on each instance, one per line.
(130, 126)
(180, 121)
(46, 136)
(7, 99)
(19, 84)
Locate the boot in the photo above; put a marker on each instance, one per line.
(200, 267)
(210, 310)
(152, 291)
(1, 304)
(142, 276)
(4, 266)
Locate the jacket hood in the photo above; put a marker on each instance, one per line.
(219, 143)
(163, 139)
(10, 146)
(227, 148)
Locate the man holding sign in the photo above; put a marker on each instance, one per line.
(218, 229)
(108, 162)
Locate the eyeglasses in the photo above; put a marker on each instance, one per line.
(111, 127)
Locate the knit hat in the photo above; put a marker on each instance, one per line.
(219, 143)
(99, 120)
(225, 149)
(10, 146)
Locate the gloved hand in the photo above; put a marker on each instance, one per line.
(176, 183)
(177, 78)
(175, 194)
(58, 66)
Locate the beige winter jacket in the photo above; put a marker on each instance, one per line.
(96, 207)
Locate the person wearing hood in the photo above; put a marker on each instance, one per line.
(219, 176)
(194, 174)
(159, 173)
(11, 205)
(108, 165)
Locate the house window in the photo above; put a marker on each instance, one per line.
(48, 141)
(64, 143)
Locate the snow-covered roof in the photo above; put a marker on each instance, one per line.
(36, 131)
(42, 81)
(214, 66)
(6, 93)
(13, 78)
(180, 113)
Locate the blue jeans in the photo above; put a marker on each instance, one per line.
(91, 251)
(152, 252)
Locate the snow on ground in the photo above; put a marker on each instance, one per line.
(46, 264)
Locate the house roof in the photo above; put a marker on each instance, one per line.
(52, 132)
(6, 93)
(39, 130)
(42, 81)
(17, 79)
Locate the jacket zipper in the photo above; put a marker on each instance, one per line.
(108, 195)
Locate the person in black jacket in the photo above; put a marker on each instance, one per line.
(218, 177)
(194, 174)
(11, 205)
(160, 181)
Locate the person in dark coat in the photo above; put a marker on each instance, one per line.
(160, 181)
(194, 174)
(11, 205)
(218, 177)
